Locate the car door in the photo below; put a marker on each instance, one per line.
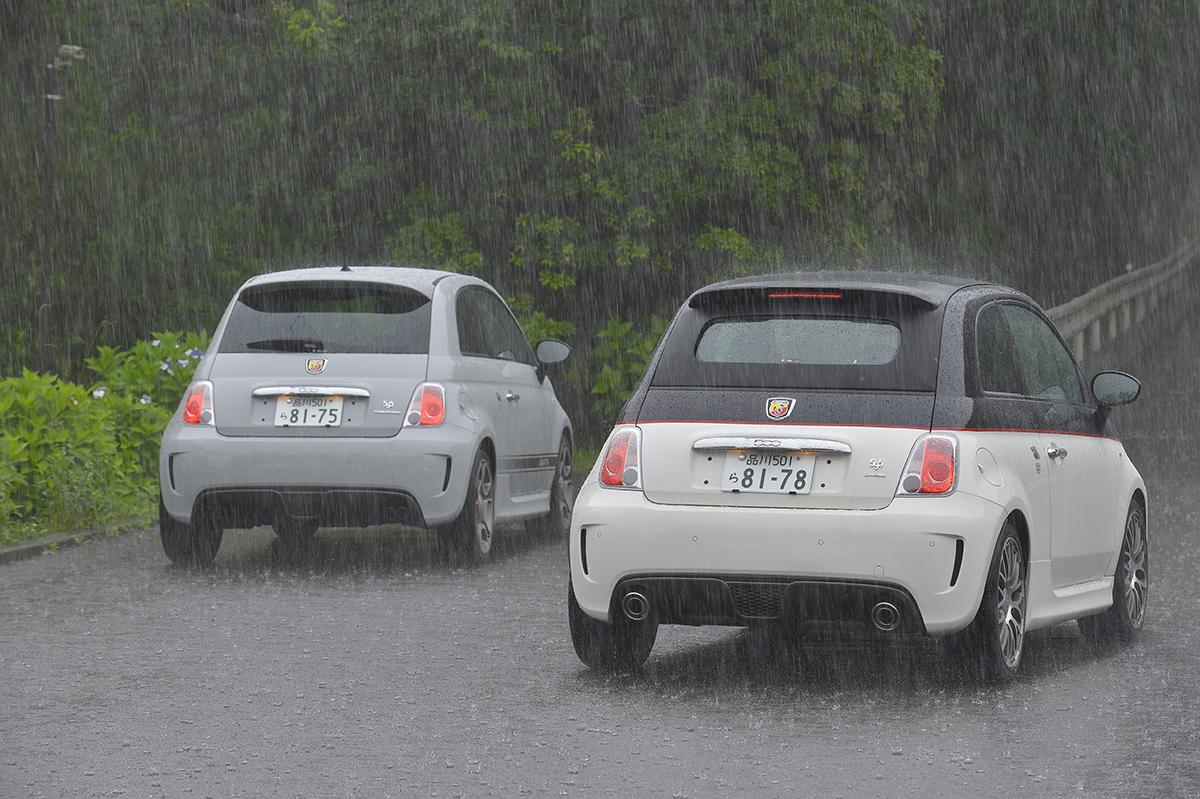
(485, 378)
(524, 391)
(513, 391)
(1010, 422)
(1076, 457)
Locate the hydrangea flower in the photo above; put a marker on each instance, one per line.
(145, 399)
(99, 392)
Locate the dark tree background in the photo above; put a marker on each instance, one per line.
(594, 160)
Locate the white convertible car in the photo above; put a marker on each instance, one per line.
(360, 396)
(918, 454)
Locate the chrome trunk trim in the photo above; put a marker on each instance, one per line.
(771, 443)
(338, 391)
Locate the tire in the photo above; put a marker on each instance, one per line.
(473, 533)
(557, 523)
(622, 646)
(1119, 624)
(189, 545)
(996, 638)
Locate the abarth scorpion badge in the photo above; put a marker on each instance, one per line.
(780, 407)
(315, 366)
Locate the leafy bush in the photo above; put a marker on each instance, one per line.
(143, 384)
(159, 368)
(72, 457)
(69, 468)
(623, 350)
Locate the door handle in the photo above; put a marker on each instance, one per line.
(1057, 452)
(511, 397)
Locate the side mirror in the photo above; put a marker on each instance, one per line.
(1115, 388)
(549, 351)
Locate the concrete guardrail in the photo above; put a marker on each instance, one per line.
(1103, 313)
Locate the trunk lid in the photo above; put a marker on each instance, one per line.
(852, 459)
(320, 358)
(789, 396)
(247, 388)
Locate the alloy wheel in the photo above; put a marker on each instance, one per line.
(1133, 553)
(485, 505)
(1010, 610)
(565, 465)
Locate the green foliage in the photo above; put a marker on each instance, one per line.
(536, 324)
(623, 350)
(598, 159)
(160, 367)
(312, 28)
(72, 457)
(66, 467)
(433, 239)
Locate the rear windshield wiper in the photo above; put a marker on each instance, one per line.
(287, 345)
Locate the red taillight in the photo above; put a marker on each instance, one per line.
(198, 407)
(433, 405)
(931, 466)
(937, 466)
(808, 295)
(620, 466)
(428, 406)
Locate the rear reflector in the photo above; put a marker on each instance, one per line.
(198, 406)
(932, 466)
(428, 406)
(620, 463)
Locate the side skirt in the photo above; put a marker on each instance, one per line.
(1049, 606)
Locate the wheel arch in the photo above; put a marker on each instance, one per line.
(1017, 517)
(489, 447)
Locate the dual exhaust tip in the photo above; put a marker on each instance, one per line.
(636, 607)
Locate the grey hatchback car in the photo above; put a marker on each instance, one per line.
(357, 396)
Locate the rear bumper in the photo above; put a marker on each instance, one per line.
(740, 599)
(416, 477)
(928, 556)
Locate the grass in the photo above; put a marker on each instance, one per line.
(584, 460)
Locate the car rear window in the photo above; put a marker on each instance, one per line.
(345, 317)
(845, 340)
(799, 340)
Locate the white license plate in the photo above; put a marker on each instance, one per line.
(308, 411)
(769, 472)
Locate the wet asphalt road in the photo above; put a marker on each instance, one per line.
(371, 670)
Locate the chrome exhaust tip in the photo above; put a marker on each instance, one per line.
(885, 617)
(635, 606)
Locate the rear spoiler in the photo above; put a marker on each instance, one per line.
(825, 297)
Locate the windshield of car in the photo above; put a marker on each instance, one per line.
(346, 317)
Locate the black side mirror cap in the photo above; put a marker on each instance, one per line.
(1115, 388)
